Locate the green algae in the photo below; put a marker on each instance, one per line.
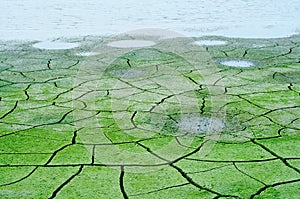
(106, 126)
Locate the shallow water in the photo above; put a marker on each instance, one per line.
(50, 45)
(238, 63)
(210, 42)
(40, 20)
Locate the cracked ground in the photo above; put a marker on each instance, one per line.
(166, 121)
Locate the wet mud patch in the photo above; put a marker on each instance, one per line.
(193, 125)
(226, 129)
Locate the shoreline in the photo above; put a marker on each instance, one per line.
(101, 37)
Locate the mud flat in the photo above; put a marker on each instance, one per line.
(74, 126)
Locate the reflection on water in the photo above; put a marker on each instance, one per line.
(31, 19)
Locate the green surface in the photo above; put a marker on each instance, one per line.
(122, 124)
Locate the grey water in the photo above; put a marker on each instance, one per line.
(42, 19)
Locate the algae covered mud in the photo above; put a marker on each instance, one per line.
(150, 116)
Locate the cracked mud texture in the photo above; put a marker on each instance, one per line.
(48, 149)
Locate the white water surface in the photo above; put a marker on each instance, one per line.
(238, 63)
(45, 19)
(56, 45)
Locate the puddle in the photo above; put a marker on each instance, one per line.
(55, 45)
(196, 125)
(131, 43)
(87, 54)
(238, 63)
(210, 42)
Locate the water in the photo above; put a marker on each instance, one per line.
(41, 20)
(55, 45)
(210, 42)
(238, 63)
